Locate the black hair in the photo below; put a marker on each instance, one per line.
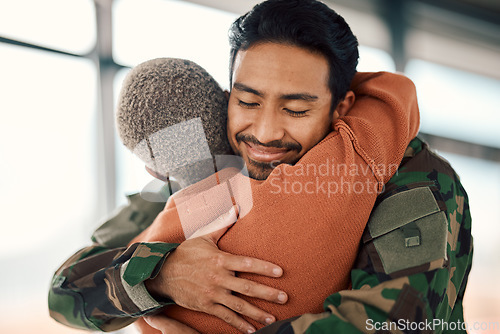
(304, 23)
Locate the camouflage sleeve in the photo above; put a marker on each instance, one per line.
(101, 287)
(413, 265)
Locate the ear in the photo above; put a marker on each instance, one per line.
(345, 105)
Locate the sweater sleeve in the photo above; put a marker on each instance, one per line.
(384, 119)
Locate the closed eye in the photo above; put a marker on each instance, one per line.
(294, 113)
(247, 104)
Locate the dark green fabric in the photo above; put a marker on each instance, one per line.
(127, 222)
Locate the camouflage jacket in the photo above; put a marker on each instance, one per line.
(410, 275)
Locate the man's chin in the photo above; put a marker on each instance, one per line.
(260, 170)
(259, 174)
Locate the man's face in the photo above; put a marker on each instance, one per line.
(279, 107)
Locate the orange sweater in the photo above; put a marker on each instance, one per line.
(308, 218)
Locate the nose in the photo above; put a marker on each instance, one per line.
(267, 126)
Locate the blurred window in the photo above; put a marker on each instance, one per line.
(59, 24)
(457, 104)
(149, 29)
(374, 60)
(47, 171)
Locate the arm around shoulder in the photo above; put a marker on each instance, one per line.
(382, 122)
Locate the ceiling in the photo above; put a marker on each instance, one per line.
(490, 6)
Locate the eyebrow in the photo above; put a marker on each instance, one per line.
(299, 96)
(245, 88)
(296, 96)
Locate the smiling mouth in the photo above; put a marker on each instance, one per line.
(265, 154)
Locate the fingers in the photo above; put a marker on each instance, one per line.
(241, 306)
(251, 265)
(200, 277)
(168, 326)
(253, 289)
(232, 318)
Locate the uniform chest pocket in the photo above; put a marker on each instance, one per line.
(408, 232)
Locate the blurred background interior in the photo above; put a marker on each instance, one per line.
(63, 169)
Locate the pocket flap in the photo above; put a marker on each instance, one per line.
(401, 209)
(409, 233)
